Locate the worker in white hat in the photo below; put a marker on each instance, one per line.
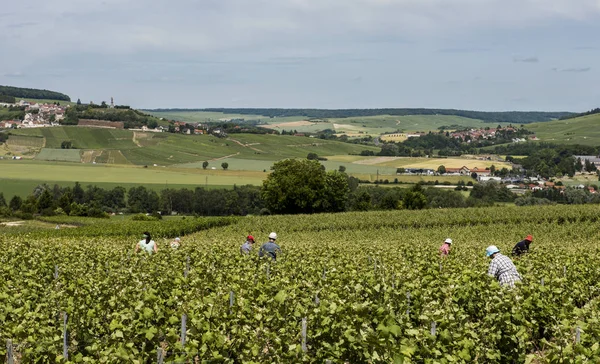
(270, 248)
(445, 248)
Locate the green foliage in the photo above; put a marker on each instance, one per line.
(30, 93)
(225, 165)
(302, 186)
(140, 199)
(352, 292)
(312, 156)
(7, 98)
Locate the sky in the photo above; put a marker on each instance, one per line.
(491, 55)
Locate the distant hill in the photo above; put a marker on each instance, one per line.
(32, 93)
(580, 130)
(517, 117)
(591, 112)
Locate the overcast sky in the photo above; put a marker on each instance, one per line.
(467, 54)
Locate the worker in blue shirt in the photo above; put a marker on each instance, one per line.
(270, 248)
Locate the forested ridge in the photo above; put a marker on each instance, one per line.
(521, 117)
(32, 93)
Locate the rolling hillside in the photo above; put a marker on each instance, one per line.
(351, 126)
(521, 117)
(582, 130)
(114, 146)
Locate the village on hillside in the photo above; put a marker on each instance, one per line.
(37, 115)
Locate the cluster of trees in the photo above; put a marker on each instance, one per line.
(75, 201)
(7, 99)
(569, 196)
(447, 145)
(131, 118)
(12, 112)
(32, 93)
(519, 117)
(553, 162)
(530, 148)
(249, 127)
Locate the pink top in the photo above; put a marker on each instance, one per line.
(445, 249)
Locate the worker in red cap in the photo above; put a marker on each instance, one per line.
(522, 247)
(246, 248)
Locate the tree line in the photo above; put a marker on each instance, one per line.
(7, 99)
(131, 118)
(519, 117)
(445, 144)
(294, 187)
(32, 93)
(591, 112)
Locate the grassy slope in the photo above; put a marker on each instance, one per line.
(373, 125)
(203, 116)
(376, 125)
(169, 149)
(582, 130)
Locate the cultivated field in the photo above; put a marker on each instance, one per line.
(385, 297)
(169, 149)
(204, 116)
(88, 174)
(583, 130)
(63, 155)
(376, 125)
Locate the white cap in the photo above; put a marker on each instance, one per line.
(177, 239)
(273, 236)
(449, 241)
(492, 249)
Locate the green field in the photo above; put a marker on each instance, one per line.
(169, 149)
(376, 125)
(205, 116)
(366, 287)
(45, 101)
(63, 155)
(582, 130)
(26, 141)
(368, 125)
(87, 173)
(23, 188)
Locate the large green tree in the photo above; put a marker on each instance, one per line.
(302, 186)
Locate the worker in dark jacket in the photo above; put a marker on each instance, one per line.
(522, 247)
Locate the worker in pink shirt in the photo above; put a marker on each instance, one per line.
(445, 248)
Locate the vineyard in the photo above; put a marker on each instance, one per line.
(349, 288)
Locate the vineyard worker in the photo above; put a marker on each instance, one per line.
(522, 247)
(246, 248)
(147, 244)
(175, 243)
(501, 267)
(445, 248)
(270, 248)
